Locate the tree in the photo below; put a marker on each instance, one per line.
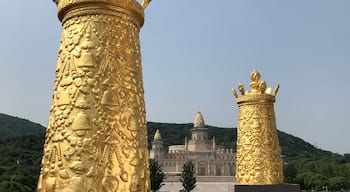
(14, 186)
(337, 183)
(156, 174)
(290, 173)
(187, 177)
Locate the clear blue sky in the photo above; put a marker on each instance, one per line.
(195, 51)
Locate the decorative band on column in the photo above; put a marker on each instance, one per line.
(68, 9)
(131, 5)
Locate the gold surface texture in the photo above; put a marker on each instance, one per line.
(258, 152)
(96, 140)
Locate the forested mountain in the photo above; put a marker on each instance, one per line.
(175, 134)
(20, 162)
(22, 141)
(13, 127)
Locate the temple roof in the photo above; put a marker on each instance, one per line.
(157, 136)
(198, 121)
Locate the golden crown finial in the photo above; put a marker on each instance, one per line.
(145, 3)
(257, 87)
(255, 76)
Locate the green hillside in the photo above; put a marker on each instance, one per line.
(13, 127)
(175, 133)
(22, 142)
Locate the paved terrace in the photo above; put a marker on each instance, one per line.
(204, 184)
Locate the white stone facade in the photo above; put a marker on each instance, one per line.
(209, 159)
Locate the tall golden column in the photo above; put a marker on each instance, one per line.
(96, 140)
(258, 151)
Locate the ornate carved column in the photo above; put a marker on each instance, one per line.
(96, 140)
(258, 151)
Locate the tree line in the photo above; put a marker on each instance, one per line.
(319, 173)
(157, 176)
(304, 164)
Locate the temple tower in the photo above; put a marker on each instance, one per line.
(258, 152)
(96, 140)
(199, 135)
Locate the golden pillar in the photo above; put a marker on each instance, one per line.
(258, 152)
(96, 140)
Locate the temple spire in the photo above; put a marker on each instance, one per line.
(199, 121)
(157, 136)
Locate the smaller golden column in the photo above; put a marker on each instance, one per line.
(258, 152)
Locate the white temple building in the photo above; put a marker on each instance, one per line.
(212, 162)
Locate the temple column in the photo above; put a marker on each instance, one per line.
(223, 168)
(208, 168)
(215, 168)
(96, 138)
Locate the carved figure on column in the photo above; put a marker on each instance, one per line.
(96, 140)
(258, 151)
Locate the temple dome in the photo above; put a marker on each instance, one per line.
(157, 136)
(198, 121)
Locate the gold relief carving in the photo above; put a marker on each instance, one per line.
(96, 138)
(258, 151)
